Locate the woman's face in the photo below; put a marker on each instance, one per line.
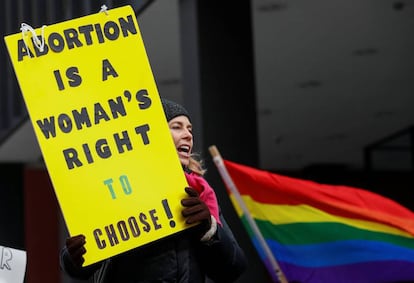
(182, 133)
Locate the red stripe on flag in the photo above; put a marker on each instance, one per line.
(270, 188)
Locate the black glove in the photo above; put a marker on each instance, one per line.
(195, 210)
(76, 249)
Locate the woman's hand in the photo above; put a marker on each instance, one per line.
(76, 248)
(195, 210)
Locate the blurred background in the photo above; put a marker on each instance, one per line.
(321, 90)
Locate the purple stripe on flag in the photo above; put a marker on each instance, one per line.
(367, 272)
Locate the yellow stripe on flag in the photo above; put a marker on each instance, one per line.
(288, 214)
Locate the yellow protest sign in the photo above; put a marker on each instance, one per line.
(95, 108)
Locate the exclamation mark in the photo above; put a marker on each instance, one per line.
(168, 212)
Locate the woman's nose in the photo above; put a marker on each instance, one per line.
(188, 133)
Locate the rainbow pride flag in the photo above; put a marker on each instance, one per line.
(322, 233)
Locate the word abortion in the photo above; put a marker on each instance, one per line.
(79, 37)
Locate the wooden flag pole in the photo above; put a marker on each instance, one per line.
(218, 161)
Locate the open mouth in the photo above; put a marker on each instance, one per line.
(184, 148)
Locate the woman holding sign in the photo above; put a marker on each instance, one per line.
(208, 250)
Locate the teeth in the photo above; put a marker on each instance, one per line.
(184, 148)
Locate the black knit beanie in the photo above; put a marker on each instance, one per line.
(172, 109)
